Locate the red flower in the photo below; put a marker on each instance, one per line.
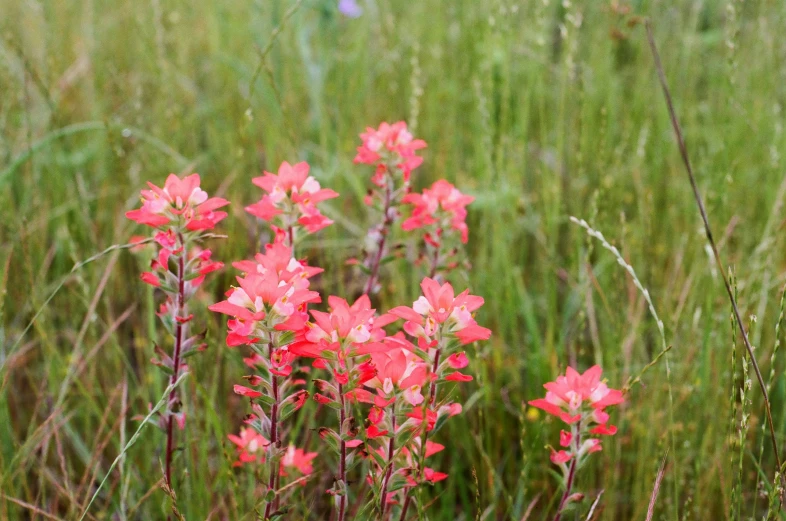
(575, 395)
(293, 195)
(458, 377)
(245, 391)
(298, 459)
(180, 200)
(439, 306)
(441, 207)
(390, 144)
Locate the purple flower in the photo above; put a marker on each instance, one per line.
(350, 8)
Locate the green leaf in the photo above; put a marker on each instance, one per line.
(397, 482)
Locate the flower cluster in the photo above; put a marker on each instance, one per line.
(440, 212)
(291, 199)
(267, 310)
(407, 382)
(580, 401)
(385, 378)
(181, 213)
(390, 148)
(181, 204)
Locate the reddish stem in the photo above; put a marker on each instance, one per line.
(275, 442)
(391, 446)
(180, 312)
(342, 468)
(404, 508)
(387, 222)
(434, 264)
(571, 475)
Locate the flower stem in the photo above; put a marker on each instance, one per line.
(404, 508)
(434, 264)
(391, 447)
(571, 472)
(180, 312)
(342, 468)
(275, 442)
(291, 236)
(432, 399)
(387, 222)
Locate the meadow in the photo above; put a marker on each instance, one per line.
(542, 110)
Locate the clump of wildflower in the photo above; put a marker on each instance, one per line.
(440, 211)
(268, 310)
(580, 401)
(181, 203)
(181, 212)
(340, 341)
(441, 322)
(392, 151)
(390, 148)
(290, 202)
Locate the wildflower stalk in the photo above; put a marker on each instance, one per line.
(384, 230)
(342, 467)
(434, 263)
(275, 442)
(571, 471)
(181, 314)
(391, 449)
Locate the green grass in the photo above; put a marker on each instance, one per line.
(542, 110)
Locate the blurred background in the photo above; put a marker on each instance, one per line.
(541, 109)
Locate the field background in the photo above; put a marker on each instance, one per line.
(541, 109)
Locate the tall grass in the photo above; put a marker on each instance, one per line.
(532, 106)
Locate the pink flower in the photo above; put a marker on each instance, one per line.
(355, 325)
(560, 457)
(150, 278)
(442, 207)
(293, 195)
(296, 458)
(390, 144)
(458, 377)
(265, 300)
(458, 360)
(440, 307)
(245, 391)
(180, 200)
(565, 438)
(576, 396)
(399, 369)
(432, 476)
(251, 446)
(278, 259)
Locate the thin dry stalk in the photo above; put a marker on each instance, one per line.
(595, 505)
(656, 487)
(699, 202)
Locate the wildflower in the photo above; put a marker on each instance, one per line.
(350, 8)
(180, 212)
(390, 145)
(391, 149)
(291, 200)
(181, 200)
(578, 400)
(296, 458)
(579, 397)
(398, 370)
(439, 208)
(438, 310)
(251, 446)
